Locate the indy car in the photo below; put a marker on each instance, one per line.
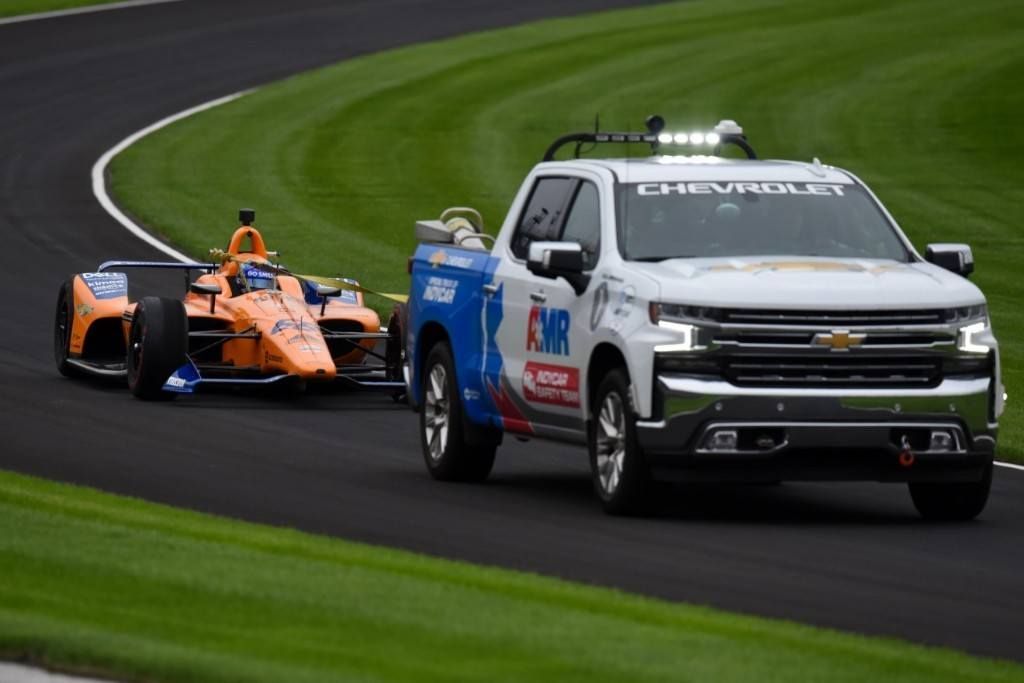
(243, 321)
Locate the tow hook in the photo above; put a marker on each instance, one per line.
(907, 457)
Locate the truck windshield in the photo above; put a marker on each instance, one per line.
(658, 221)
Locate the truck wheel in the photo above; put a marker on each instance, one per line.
(157, 346)
(394, 351)
(617, 465)
(952, 501)
(63, 321)
(448, 453)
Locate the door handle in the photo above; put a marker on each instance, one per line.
(490, 289)
(539, 297)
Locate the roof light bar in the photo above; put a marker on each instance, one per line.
(727, 132)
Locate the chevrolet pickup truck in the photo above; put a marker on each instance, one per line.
(705, 318)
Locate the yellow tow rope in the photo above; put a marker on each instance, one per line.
(222, 256)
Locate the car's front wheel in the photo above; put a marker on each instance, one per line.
(63, 321)
(448, 451)
(157, 346)
(618, 468)
(952, 501)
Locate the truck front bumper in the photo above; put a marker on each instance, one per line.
(711, 430)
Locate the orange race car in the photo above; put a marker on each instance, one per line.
(245, 320)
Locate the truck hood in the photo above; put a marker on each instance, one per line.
(808, 283)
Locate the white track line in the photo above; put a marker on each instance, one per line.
(18, 673)
(56, 14)
(99, 173)
(99, 186)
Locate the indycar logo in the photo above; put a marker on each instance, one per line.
(443, 258)
(302, 326)
(552, 384)
(547, 331)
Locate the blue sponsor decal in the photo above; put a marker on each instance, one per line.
(184, 380)
(346, 296)
(106, 285)
(547, 331)
(252, 272)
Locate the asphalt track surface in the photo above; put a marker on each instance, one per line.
(850, 556)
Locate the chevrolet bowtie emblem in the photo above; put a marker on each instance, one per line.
(839, 340)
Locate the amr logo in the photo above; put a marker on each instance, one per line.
(547, 331)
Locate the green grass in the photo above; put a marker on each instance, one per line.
(97, 583)
(920, 98)
(10, 8)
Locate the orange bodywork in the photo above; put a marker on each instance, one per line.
(278, 331)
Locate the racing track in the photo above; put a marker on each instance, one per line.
(849, 556)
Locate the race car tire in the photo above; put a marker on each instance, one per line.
(394, 351)
(452, 449)
(157, 346)
(618, 468)
(63, 320)
(952, 501)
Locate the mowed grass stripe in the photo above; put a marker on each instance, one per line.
(97, 583)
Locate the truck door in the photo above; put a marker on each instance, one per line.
(544, 335)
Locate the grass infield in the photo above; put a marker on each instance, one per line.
(916, 97)
(10, 8)
(97, 583)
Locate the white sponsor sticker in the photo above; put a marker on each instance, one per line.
(440, 290)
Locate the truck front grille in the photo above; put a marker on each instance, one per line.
(832, 370)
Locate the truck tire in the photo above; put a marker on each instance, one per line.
(447, 451)
(157, 346)
(952, 501)
(617, 465)
(63, 320)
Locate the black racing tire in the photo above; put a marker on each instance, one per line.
(63, 321)
(452, 449)
(619, 471)
(157, 346)
(394, 351)
(952, 501)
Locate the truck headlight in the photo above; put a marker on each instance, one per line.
(672, 318)
(975, 338)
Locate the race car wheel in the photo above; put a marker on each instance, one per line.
(62, 323)
(618, 468)
(394, 351)
(448, 450)
(952, 501)
(157, 346)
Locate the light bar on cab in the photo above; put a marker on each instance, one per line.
(726, 132)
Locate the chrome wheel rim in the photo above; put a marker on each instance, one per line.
(611, 442)
(436, 412)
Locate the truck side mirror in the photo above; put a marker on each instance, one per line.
(559, 259)
(956, 258)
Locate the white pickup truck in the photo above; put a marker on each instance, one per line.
(702, 318)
